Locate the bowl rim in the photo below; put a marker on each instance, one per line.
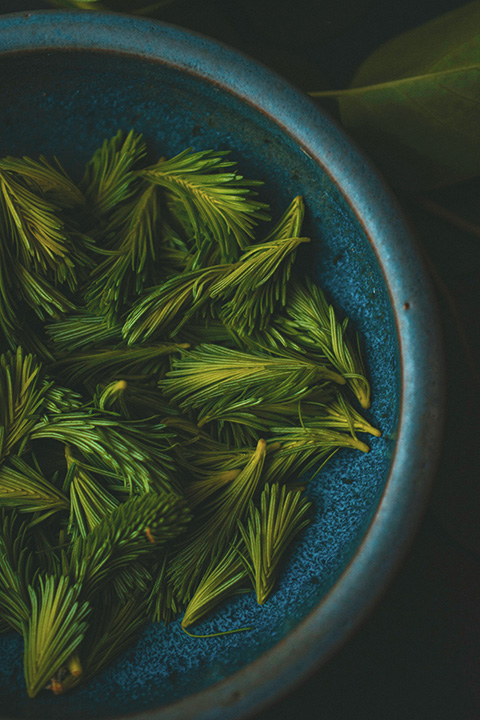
(392, 527)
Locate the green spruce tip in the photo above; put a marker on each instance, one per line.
(53, 631)
(22, 396)
(216, 382)
(214, 527)
(17, 571)
(268, 533)
(225, 576)
(313, 322)
(110, 174)
(131, 531)
(247, 292)
(25, 488)
(220, 206)
(134, 260)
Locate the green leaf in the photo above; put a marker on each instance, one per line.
(414, 104)
(78, 4)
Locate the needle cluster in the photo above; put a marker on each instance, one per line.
(166, 382)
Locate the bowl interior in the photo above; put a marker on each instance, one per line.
(65, 103)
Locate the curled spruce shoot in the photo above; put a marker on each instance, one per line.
(268, 533)
(134, 399)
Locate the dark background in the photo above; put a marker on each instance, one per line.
(417, 657)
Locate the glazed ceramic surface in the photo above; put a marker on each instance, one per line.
(69, 80)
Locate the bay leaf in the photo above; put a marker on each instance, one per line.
(414, 103)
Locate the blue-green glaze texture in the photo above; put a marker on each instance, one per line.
(67, 81)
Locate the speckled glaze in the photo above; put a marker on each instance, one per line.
(67, 81)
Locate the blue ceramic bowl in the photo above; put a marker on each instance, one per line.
(67, 81)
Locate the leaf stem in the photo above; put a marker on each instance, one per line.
(451, 217)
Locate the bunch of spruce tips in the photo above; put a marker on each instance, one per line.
(165, 379)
